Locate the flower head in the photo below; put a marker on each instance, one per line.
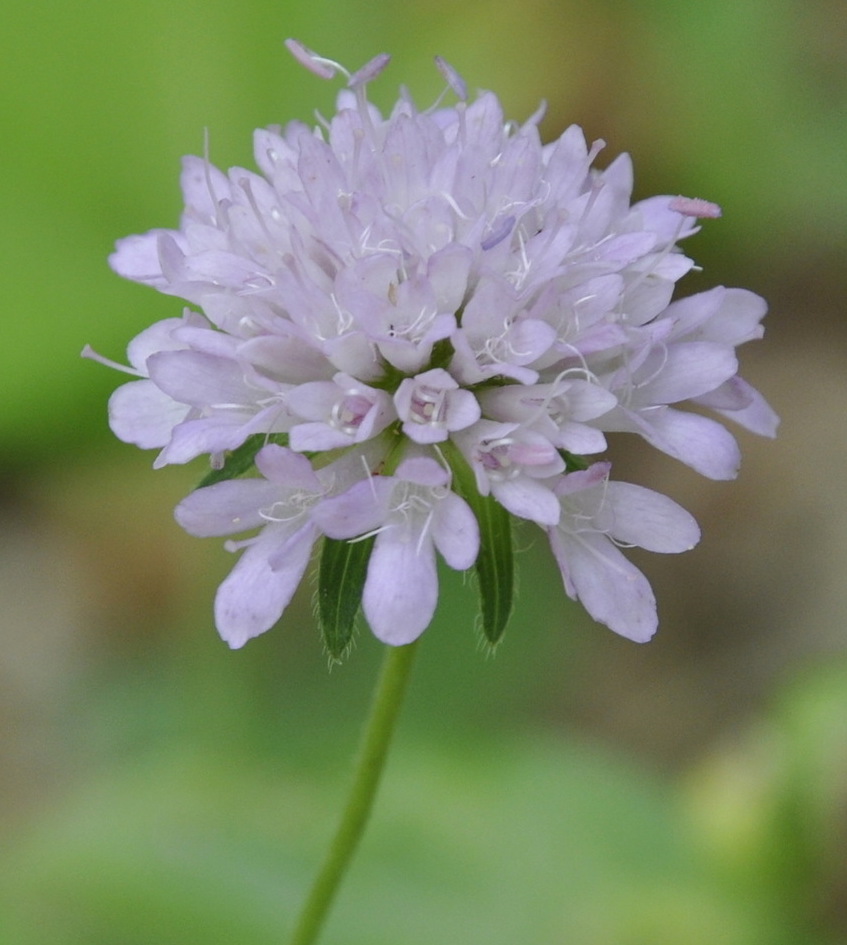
(430, 318)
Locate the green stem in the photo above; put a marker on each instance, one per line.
(376, 736)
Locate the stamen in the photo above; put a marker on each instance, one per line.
(442, 459)
(92, 355)
(345, 319)
(371, 534)
(695, 207)
(428, 405)
(495, 458)
(347, 415)
(454, 80)
(519, 273)
(659, 368)
(669, 247)
(323, 68)
(502, 231)
(596, 147)
(369, 71)
(273, 513)
(536, 117)
(451, 202)
(426, 526)
(290, 509)
(555, 401)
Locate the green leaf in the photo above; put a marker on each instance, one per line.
(574, 463)
(240, 460)
(495, 564)
(442, 354)
(343, 569)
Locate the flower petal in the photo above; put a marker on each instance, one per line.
(358, 511)
(689, 370)
(649, 519)
(610, 588)
(142, 414)
(528, 498)
(253, 597)
(401, 589)
(455, 532)
(226, 507)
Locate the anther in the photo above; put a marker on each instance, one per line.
(695, 207)
(454, 80)
(369, 71)
(324, 68)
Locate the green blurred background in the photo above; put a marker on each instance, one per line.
(574, 788)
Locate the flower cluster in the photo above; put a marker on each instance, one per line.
(410, 328)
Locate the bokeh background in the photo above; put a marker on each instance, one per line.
(156, 788)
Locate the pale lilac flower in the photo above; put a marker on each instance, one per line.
(560, 411)
(412, 513)
(140, 412)
(282, 504)
(598, 516)
(431, 406)
(514, 463)
(728, 317)
(650, 378)
(691, 357)
(196, 394)
(438, 315)
(342, 412)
